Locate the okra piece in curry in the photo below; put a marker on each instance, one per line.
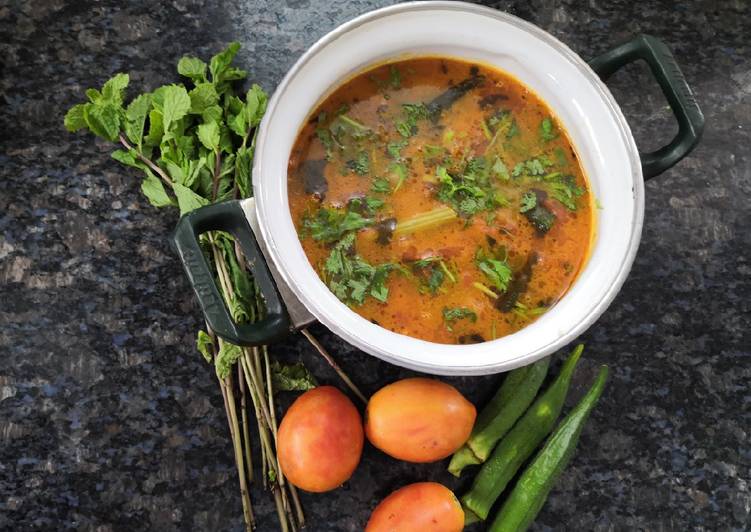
(440, 199)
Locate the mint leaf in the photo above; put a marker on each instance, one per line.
(103, 120)
(135, 118)
(153, 189)
(238, 124)
(193, 68)
(226, 358)
(291, 377)
(208, 134)
(187, 200)
(204, 345)
(74, 119)
(202, 96)
(156, 129)
(93, 95)
(113, 89)
(212, 113)
(255, 105)
(128, 158)
(175, 104)
(243, 163)
(220, 64)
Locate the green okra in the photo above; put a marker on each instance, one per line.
(513, 397)
(530, 492)
(520, 442)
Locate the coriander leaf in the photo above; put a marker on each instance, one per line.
(226, 358)
(202, 96)
(412, 113)
(539, 216)
(208, 134)
(373, 204)
(499, 169)
(112, 90)
(395, 148)
(187, 200)
(565, 190)
(193, 68)
(74, 119)
(497, 271)
(351, 278)
(361, 165)
(451, 315)
(529, 202)
(547, 130)
(175, 104)
(395, 78)
(135, 118)
(291, 377)
(381, 186)
(103, 120)
(154, 191)
(204, 345)
(329, 225)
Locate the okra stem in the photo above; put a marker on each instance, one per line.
(531, 491)
(520, 442)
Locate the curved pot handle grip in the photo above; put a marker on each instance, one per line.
(229, 217)
(679, 95)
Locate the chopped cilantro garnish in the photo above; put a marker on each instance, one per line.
(351, 278)
(395, 78)
(452, 315)
(470, 190)
(529, 202)
(547, 129)
(360, 165)
(329, 225)
(412, 113)
(394, 149)
(495, 268)
(432, 272)
(381, 185)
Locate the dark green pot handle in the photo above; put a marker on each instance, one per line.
(229, 217)
(678, 93)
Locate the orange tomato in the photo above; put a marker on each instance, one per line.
(419, 420)
(320, 440)
(423, 507)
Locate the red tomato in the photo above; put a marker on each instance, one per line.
(320, 440)
(420, 507)
(419, 420)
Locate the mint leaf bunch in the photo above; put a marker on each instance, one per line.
(193, 141)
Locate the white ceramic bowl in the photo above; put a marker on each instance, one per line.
(573, 90)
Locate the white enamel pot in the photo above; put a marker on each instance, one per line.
(572, 87)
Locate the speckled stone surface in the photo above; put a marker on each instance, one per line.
(109, 418)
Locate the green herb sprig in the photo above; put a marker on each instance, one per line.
(194, 144)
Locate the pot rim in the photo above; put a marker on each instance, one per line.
(594, 311)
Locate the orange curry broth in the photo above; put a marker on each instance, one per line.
(374, 99)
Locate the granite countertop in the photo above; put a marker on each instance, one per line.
(110, 419)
